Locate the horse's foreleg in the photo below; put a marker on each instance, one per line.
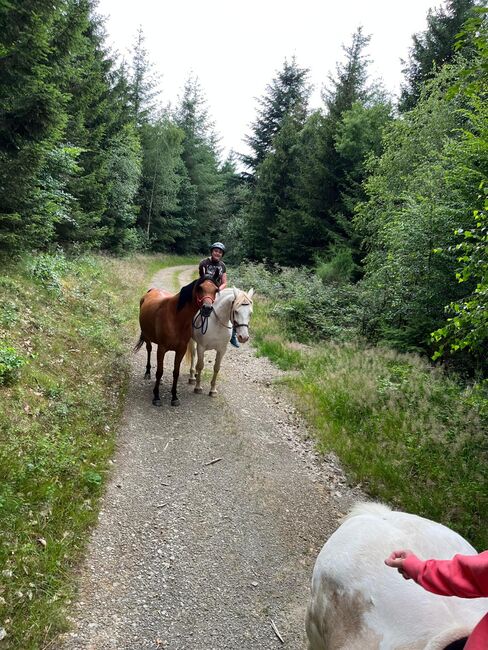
(200, 362)
(216, 368)
(192, 364)
(179, 354)
(159, 373)
(148, 364)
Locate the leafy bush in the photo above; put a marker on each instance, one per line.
(467, 328)
(9, 313)
(339, 268)
(10, 364)
(49, 269)
(300, 301)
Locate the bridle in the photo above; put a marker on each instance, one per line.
(203, 326)
(200, 322)
(201, 300)
(234, 324)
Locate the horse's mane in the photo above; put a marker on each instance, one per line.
(242, 297)
(186, 292)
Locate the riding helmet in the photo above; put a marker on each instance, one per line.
(219, 245)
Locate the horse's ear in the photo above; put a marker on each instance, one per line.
(250, 293)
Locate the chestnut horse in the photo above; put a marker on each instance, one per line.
(166, 319)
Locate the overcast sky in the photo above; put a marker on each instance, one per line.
(235, 48)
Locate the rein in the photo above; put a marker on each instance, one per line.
(203, 326)
(203, 322)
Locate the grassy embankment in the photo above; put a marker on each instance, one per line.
(66, 330)
(412, 436)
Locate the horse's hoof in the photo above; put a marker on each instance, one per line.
(192, 381)
(147, 376)
(213, 393)
(175, 402)
(198, 391)
(157, 402)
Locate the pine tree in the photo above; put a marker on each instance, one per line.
(334, 148)
(90, 126)
(200, 158)
(143, 82)
(160, 218)
(349, 84)
(123, 177)
(237, 195)
(32, 113)
(101, 126)
(273, 225)
(433, 48)
(422, 188)
(287, 93)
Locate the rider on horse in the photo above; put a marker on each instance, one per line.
(209, 266)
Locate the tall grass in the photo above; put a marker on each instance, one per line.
(72, 322)
(412, 435)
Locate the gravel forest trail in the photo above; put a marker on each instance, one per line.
(194, 555)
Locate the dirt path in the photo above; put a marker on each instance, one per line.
(195, 556)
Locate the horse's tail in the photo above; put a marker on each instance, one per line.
(368, 508)
(139, 343)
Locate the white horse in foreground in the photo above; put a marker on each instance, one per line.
(358, 603)
(232, 308)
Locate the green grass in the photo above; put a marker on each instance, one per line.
(73, 323)
(268, 338)
(411, 435)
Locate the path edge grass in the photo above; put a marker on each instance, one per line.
(74, 322)
(410, 434)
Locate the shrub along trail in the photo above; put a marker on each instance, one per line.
(190, 554)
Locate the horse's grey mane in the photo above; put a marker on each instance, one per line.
(242, 297)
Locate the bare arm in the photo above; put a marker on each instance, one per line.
(224, 282)
(396, 560)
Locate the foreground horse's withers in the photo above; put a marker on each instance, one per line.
(358, 603)
(233, 308)
(166, 319)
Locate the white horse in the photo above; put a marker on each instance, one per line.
(232, 308)
(358, 603)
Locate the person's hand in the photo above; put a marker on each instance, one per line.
(396, 559)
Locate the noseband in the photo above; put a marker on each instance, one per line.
(200, 301)
(203, 325)
(237, 325)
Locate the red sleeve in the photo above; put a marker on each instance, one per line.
(465, 576)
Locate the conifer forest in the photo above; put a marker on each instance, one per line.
(385, 200)
(359, 218)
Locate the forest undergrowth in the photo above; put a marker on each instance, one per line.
(414, 435)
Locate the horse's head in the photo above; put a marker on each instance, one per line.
(241, 313)
(204, 292)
